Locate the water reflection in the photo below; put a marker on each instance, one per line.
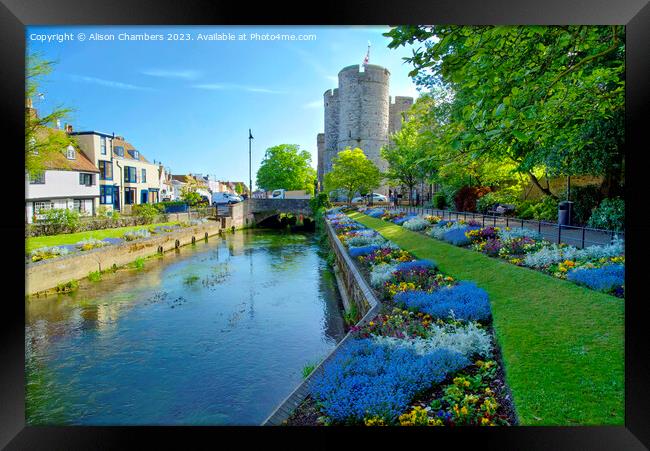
(215, 334)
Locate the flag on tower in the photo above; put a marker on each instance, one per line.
(367, 58)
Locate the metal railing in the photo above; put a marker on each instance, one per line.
(551, 231)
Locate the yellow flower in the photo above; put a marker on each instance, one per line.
(371, 323)
(485, 421)
(463, 410)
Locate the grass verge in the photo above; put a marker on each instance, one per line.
(562, 344)
(72, 238)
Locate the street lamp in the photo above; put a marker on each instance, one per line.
(250, 177)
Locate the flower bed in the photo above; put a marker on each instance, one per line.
(525, 247)
(87, 244)
(399, 368)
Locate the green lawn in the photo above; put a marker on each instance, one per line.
(72, 238)
(562, 345)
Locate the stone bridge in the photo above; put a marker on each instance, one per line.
(257, 210)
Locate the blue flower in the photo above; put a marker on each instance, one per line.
(606, 278)
(369, 379)
(465, 300)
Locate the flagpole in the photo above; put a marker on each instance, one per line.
(250, 177)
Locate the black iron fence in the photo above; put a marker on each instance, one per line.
(551, 231)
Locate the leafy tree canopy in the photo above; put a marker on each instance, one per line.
(42, 141)
(538, 97)
(286, 167)
(352, 172)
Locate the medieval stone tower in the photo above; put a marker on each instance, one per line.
(359, 113)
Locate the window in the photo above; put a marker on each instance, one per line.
(42, 206)
(79, 205)
(135, 154)
(129, 196)
(70, 152)
(105, 170)
(144, 175)
(37, 180)
(102, 144)
(119, 151)
(130, 174)
(105, 194)
(86, 179)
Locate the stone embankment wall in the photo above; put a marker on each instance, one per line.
(354, 289)
(47, 274)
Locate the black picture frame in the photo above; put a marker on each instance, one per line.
(16, 14)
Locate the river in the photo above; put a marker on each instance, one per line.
(214, 334)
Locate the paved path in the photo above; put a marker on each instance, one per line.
(575, 236)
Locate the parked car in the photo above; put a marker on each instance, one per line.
(285, 194)
(376, 197)
(225, 198)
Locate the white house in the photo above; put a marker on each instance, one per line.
(69, 181)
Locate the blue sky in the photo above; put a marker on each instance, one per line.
(190, 104)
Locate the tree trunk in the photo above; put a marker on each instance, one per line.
(546, 190)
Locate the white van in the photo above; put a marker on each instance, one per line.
(225, 198)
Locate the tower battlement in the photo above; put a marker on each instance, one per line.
(359, 113)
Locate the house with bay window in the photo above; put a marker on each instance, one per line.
(70, 180)
(126, 177)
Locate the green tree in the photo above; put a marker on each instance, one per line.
(286, 167)
(352, 172)
(41, 140)
(189, 191)
(532, 96)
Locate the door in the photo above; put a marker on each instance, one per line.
(116, 198)
(144, 195)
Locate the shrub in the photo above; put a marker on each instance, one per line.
(439, 201)
(365, 379)
(606, 278)
(585, 200)
(543, 210)
(467, 339)
(363, 250)
(62, 219)
(321, 200)
(466, 197)
(488, 200)
(148, 212)
(609, 215)
(416, 224)
(132, 235)
(464, 301)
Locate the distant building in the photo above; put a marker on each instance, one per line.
(126, 177)
(359, 113)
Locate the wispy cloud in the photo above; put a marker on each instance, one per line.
(173, 73)
(231, 86)
(108, 83)
(314, 104)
